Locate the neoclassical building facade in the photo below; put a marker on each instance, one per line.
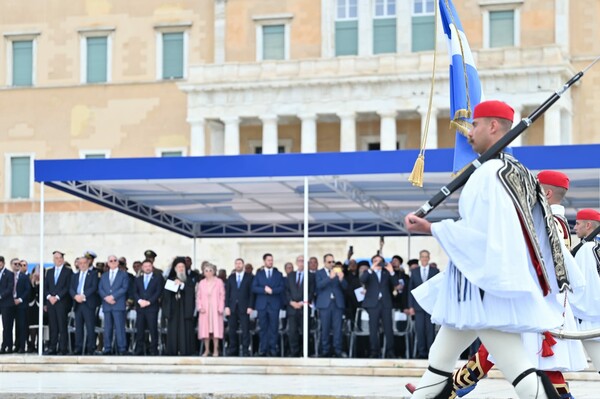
(105, 78)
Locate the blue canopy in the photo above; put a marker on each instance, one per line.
(356, 193)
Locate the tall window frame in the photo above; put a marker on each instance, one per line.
(385, 22)
(84, 35)
(8, 175)
(346, 27)
(262, 21)
(486, 15)
(160, 30)
(422, 13)
(11, 39)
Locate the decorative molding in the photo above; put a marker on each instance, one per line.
(269, 18)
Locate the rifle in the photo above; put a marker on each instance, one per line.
(500, 145)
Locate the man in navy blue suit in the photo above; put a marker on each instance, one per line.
(268, 287)
(425, 329)
(239, 302)
(331, 305)
(148, 290)
(84, 291)
(21, 298)
(58, 302)
(379, 281)
(113, 291)
(7, 306)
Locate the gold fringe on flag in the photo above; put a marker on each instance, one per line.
(416, 176)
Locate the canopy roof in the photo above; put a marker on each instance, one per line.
(357, 193)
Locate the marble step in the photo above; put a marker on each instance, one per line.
(233, 365)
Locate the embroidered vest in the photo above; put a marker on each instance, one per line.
(525, 192)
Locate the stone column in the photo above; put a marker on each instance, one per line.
(232, 135)
(387, 130)
(197, 137)
(566, 127)
(552, 126)
(432, 135)
(518, 141)
(217, 138)
(347, 131)
(220, 23)
(308, 140)
(269, 134)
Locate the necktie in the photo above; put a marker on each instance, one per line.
(424, 274)
(80, 287)
(56, 274)
(146, 281)
(15, 286)
(112, 277)
(378, 273)
(298, 279)
(268, 274)
(239, 280)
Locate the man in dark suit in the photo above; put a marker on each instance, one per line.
(58, 301)
(239, 302)
(268, 287)
(294, 288)
(379, 282)
(21, 298)
(7, 306)
(425, 329)
(148, 290)
(330, 285)
(84, 291)
(313, 267)
(113, 291)
(400, 294)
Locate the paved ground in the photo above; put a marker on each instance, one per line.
(216, 386)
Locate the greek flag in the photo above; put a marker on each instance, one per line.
(459, 69)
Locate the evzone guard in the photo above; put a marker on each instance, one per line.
(505, 257)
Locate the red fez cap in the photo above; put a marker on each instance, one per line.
(553, 178)
(493, 109)
(588, 214)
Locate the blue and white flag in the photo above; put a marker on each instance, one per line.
(461, 109)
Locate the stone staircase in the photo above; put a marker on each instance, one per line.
(233, 365)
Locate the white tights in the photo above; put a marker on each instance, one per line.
(506, 349)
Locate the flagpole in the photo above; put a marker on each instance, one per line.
(500, 145)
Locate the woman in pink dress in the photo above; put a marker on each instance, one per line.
(210, 302)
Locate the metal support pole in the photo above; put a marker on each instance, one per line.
(41, 298)
(306, 271)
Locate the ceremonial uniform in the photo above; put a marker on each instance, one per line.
(586, 304)
(548, 354)
(495, 284)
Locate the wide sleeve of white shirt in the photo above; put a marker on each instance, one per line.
(487, 243)
(585, 302)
